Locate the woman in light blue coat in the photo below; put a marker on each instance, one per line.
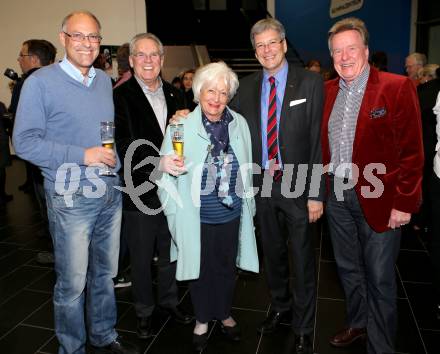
(207, 198)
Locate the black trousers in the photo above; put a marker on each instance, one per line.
(366, 266)
(434, 245)
(212, 292)
(285, 229)
(2, 183)
(144, 233)
(40, 195)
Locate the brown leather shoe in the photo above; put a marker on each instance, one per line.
(347, 336)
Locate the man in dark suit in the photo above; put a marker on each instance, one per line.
(428, 93)
(143, 106)
(283, 107)
(372, 141)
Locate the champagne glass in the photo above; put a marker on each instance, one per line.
(107, 141)
(177, 138)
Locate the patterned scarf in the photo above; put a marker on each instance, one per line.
(218, 160)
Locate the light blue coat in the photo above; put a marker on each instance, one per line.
(180, 196)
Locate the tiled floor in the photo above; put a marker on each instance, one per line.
(26, 316)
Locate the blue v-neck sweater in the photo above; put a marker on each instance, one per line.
(57, 119)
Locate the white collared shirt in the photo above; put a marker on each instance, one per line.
(157, 102)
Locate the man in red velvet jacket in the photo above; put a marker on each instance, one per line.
(372, 149)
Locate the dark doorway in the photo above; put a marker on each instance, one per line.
(215, 23)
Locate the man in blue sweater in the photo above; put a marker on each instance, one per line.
(58, 129)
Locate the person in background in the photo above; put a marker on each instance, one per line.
(329, 74)
(429, 97)
(427, 94)
(434, 199)
(34, 54)
(379, 60)
(187, 79)
(57, 128)
(212, 227)
(102, 64)
(428, 73)
(122, 280)
(314, 65)
(143, 107)
(413, 63)
(5, 157)
(124, 70)
(372, 145)
(177, 83)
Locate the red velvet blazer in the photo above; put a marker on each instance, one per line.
(388, 131)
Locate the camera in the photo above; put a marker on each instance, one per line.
(11, 74)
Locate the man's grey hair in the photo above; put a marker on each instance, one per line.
(267, 24)
(212, 73)
(82, 12)
(348, 24)
(146, 35)
(419, 58)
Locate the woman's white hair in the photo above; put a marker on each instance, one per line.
(210, 74)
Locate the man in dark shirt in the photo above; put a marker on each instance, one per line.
(34, 54)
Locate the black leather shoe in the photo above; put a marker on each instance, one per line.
(271, 322)
(200, 342)
(179, 315)
(144, 328)
(118, 346)
(232, 333)
(303, 345)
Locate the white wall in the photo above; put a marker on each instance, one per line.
(41, 19)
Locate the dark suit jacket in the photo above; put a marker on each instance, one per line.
(393, 139)
(135, 119)
(299, 132)
(17, 90)
(427, 93)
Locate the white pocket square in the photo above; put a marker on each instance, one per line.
(295, 102)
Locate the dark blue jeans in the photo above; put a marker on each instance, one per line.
(366, 265)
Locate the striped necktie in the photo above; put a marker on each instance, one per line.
(272, 131)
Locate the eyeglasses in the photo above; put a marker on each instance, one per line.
(272, 44)
(152, 56)
(25, 55)
(79, 37)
